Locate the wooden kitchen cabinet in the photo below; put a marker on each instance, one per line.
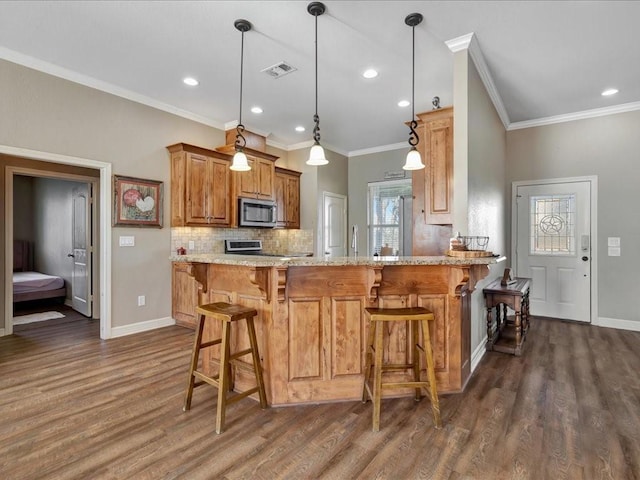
(200, 187)
(184, 295)
(435, 182)
(287, 192)
(257, 182)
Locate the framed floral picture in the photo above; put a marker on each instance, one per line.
(137, 202)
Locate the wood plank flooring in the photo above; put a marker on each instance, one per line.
(73, 406)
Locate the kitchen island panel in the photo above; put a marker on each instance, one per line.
(312, 328)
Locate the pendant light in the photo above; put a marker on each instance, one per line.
(316, 155)
(240, 162)
(413, 161)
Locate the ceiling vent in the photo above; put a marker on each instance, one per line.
(279, 70)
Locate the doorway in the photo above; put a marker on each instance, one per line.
(554, 244)
(334, 224)
(103, 233)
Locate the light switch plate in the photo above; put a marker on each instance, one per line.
(613, 241)
(614, 251)
(127, 241)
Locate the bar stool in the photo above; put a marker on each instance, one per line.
(419, 316)
(225, 313)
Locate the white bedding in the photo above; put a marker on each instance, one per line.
(24, 282)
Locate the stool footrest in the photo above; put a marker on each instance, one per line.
(241, 395)
(210, 344)
(241, 353)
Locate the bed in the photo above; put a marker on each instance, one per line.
(28, 284)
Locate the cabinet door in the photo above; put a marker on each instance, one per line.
(292, 201)
(178, 185)
(281, 199)
(184, 295)
(438, 186)
(219, 194)
(246, 182)
(197, 190)
(265, 172)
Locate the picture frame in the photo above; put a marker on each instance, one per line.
(137, 202)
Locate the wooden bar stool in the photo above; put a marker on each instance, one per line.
(420, 318)
(225, 313)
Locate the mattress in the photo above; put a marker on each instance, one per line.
(25, 282)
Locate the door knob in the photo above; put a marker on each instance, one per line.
(584, 259)
(71, 255)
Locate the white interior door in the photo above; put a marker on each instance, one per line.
(82, 251)
(553, 247)
(334, 225)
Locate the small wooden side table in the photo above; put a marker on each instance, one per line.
(505, 335)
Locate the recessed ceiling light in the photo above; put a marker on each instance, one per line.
(609, 91)
(300, 128)
(192, 82)
(256, 109)
(370, 73)
(404, 103)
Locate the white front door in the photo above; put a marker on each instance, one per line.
(553, 247)
(334, 224)
(82, 250)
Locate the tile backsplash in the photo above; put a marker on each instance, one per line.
(211, 240)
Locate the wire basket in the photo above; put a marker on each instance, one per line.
(475, 243)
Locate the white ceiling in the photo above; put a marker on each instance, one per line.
(544, 58)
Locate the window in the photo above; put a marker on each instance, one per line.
(387, 201)
(553, 225)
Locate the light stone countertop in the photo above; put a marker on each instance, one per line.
(259, 261)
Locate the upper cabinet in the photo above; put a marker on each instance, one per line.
(200, 187)
(257, 182)
(433, 186)
(287, 191)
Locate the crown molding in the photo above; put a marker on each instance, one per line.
(470, 42)
(234, 123)
(87, 81)
(460, 43)
(570, 117)
(382, 148)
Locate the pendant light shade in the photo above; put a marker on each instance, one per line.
(316, 155)
(240, 162)
(413, 161)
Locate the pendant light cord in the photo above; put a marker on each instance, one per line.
(413, 135)
(240, 140)
(316, 118)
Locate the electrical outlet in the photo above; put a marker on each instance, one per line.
(141, 300)
(192, 245)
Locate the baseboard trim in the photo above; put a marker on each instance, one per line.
(141, 327)
(618, 323)
(478, 354)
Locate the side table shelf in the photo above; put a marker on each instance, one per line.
(505, 334)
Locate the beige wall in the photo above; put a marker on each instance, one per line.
(45, 113)
(487, 196)
(607, 147)
(364, 169)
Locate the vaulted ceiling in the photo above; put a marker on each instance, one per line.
(546, 60)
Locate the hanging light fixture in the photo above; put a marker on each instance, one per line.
(240, 162)
(316, 155)
(413, 161)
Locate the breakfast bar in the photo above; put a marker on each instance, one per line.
(311, 325)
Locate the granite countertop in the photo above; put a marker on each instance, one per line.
(257, 261)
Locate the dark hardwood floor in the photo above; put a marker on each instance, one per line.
(73, 406)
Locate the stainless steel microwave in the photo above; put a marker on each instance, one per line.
(256, 213)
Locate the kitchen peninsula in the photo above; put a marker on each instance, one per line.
(311, 326)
